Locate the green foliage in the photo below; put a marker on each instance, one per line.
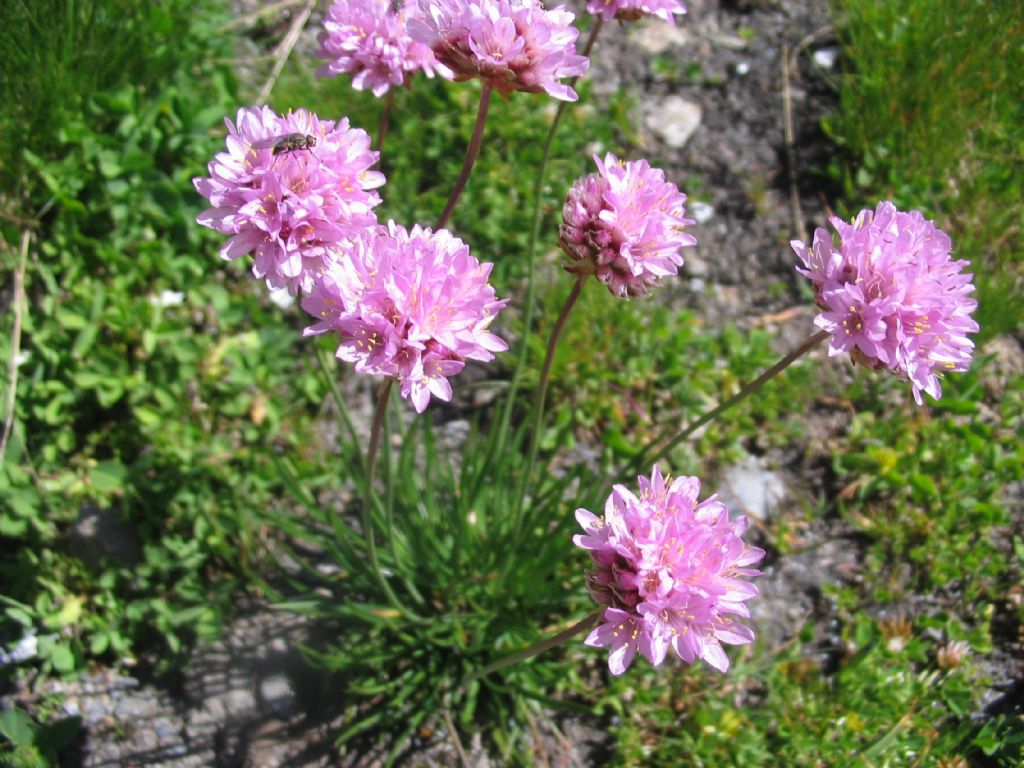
(626, 371)
(930, 494)
(31, 744)
(149, 386)
(57, 55)
(472, 582)
(930, 489)
(932, 117)
(889, 702)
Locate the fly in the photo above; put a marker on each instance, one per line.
(289, 142)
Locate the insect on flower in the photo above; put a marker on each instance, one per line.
(289, 142)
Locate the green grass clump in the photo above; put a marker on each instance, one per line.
(57, 55)
(931, 115)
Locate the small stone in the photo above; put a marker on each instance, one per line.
(23, 650)
(701, 212)
(455, 433)
(826, 57)
(697, 268)
(749, 489)
(1006, 365)
(726, 40)
(99, 533)
(655, 36)
(276, 695)
(674, 120)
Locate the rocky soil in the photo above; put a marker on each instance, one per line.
(710, 103)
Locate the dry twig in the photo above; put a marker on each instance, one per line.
(284, 50)
(463, 757)
(18, 302)
(249, 18)
(799, 228)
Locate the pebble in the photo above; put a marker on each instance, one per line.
(700, 212)
(696, 267)
(656, 36)
(674, 120)
(826, 57)
(749, 489)
(277, 697)
(25, 649)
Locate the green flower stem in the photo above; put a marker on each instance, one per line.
(385, 119)
(371, 465)
(327, 369)
(544, 645)
(641, 459)
(389, 486)
(542, 390)
(598, 23)
(531, 248)
(471, 154)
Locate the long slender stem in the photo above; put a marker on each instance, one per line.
(542, 390)
(747, 390)
(375, 431)
(371, 466)
(339, 401)
(471, 153)
(385, 119)
(531, 248)
(544, 645)
(388, 469)
(594, 30)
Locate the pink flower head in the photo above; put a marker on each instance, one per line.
(892, 296)
(367, 39)
(631, 10)
(669, 572)
(412, 304)
(513, 45)
(290, 190)
(625, 224)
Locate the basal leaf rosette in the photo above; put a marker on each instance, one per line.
(290, 208)
(410, 304)
(670, 572)
(625, 225)
(368, 40)
(892, 296)
(512, 45)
